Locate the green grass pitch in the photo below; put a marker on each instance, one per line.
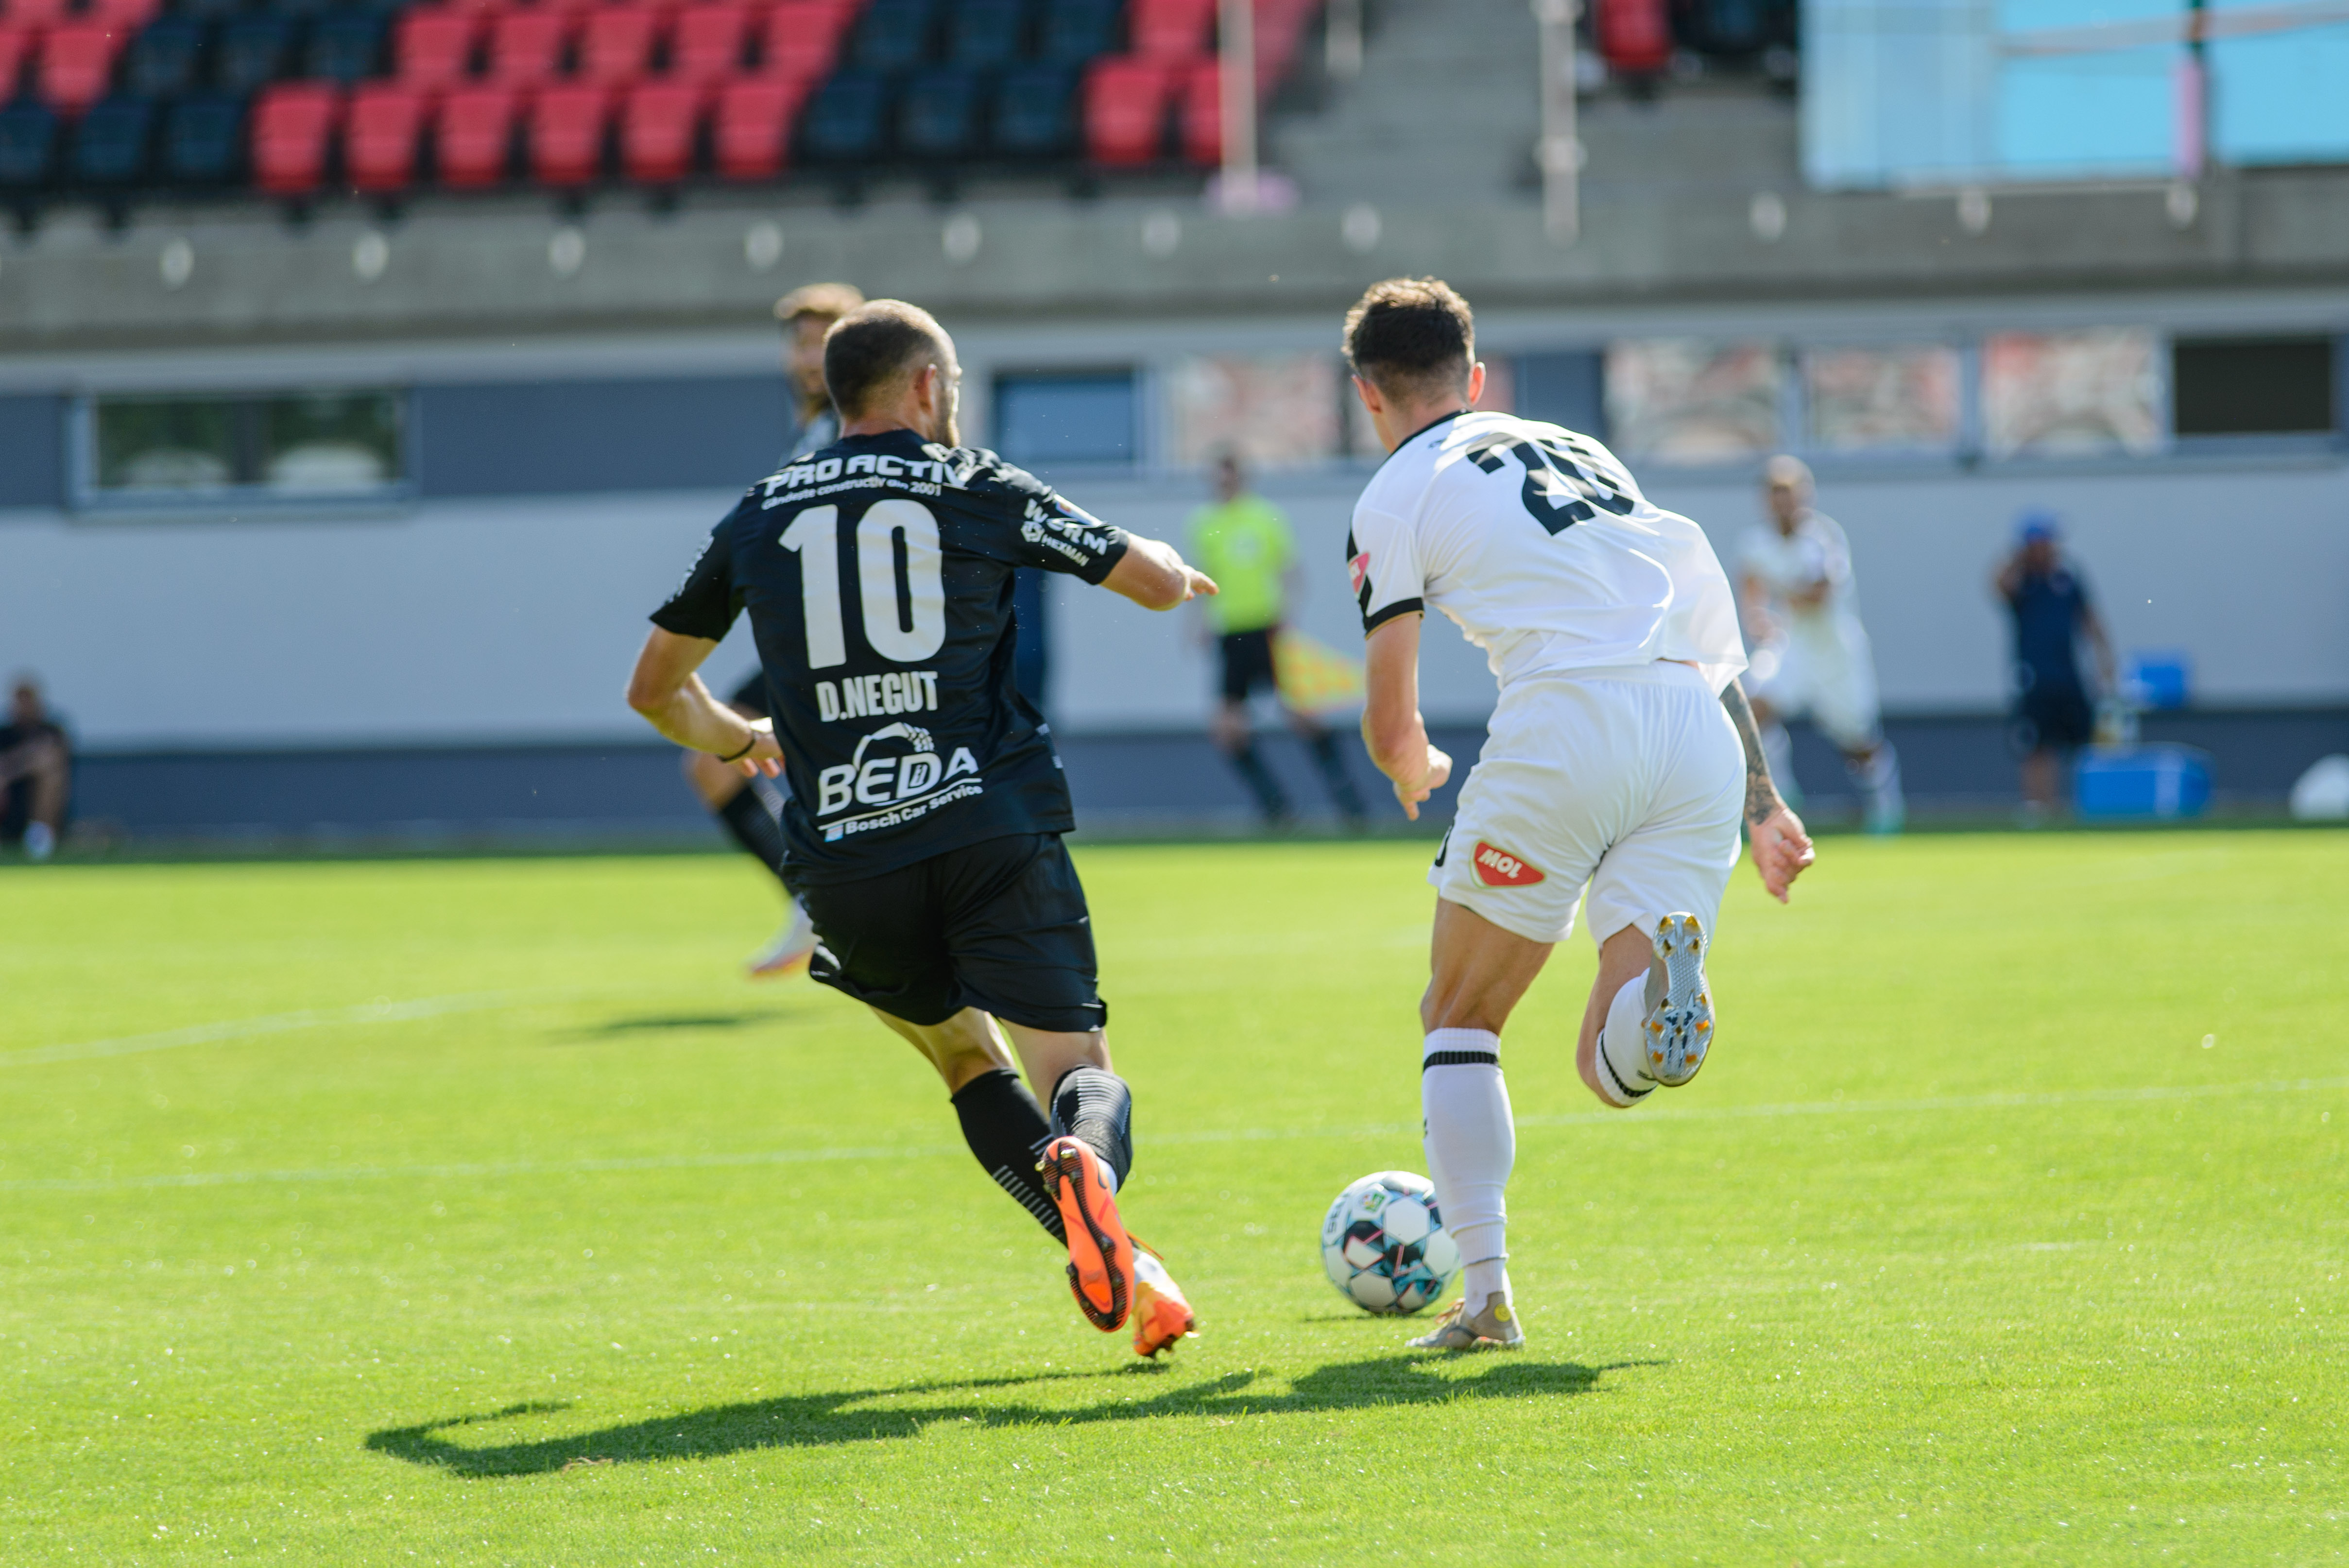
(476, 1211)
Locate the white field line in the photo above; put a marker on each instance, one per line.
(535, 1168)
(276, 1024)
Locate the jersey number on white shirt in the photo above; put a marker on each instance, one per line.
(1564, 479)
(904, 594)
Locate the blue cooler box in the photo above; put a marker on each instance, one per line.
(2156, 781)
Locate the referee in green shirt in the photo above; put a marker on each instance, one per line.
(1244, 543)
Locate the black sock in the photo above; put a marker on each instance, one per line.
(753, 826)
(1324, 746)
(1269, 796)
(1096, 1107)
(1006, 1130)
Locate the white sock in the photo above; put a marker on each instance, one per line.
(1472, 1143)
(1622, 1055)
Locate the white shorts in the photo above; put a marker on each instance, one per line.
(1827, 680)
(1628, 780)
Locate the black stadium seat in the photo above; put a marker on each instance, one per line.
(203, 139)
(895, 35)
(1075, 31)
(253, 52)
(302, 10)
(111, 146)
(210, 10)
(165, 59)
(1034, 112)
(987, 35)
(345, 47)
(939, 115)
(29, 145)
(847, 121)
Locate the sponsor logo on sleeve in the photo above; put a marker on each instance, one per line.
(1358, 568)
(1497, 867)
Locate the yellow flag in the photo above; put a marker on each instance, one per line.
(1313, 676)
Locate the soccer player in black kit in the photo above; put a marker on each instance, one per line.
(927, 804)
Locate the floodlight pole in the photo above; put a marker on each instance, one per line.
(1236, 25)
(1559, 151)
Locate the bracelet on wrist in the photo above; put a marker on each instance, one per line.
(746, 748)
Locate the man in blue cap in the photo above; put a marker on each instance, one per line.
(2053, 714)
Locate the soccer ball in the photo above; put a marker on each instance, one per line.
(1384, 1245)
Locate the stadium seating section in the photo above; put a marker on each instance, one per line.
(300, 98)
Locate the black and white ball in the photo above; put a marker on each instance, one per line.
(1384, 1245)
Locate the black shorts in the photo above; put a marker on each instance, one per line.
(750, 697)
(1247, 662)
(1000, 925)
(2053, 717)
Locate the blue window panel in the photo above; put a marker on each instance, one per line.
(1086, 418)
(1897, 95)
(2281, 97)
(2086, 116)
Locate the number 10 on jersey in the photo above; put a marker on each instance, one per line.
(900, 586)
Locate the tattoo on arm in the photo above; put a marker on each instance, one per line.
(1761, 794)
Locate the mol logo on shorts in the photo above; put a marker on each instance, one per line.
(1498, 867)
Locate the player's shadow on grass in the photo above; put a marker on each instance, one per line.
(847, 1416)
(666, 1023)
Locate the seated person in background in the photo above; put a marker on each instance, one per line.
(35, 772)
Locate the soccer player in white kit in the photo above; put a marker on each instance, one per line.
(1619, 757)
(1810, 653)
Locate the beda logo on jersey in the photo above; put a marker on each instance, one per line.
(1495, 867)
(903, 786)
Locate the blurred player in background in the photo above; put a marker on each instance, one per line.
(1244, 543)
(2048, 599)
(35, 772)
(927, 804)
(1620, 756)
(1810, 654)
(751, 809)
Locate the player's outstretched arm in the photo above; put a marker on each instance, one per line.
(1781, 849)
(666, 690)
(1393, 732)
(1153, 574)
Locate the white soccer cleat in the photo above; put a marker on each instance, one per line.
(1494, 1328)
(792, 947)
(1678, 1030)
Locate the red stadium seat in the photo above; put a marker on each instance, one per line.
(566, 133)
(707, 45)
(1199, 103)
(33, 14)
(1126, 110)
(129, 13)
(291, 123)
(616, 45)
(379, 136)
(754, 124)
(15, 48)
(657, 121)
(802, 38)
(1635, 36)
(1172, 29)
(77, 59)
(433, 48)
(476, 133)
(526, 47)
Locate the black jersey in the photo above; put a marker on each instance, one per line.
(877, 573)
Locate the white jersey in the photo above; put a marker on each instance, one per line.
(1788, 564)
(1537, 543)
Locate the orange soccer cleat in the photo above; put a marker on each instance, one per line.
(1161, 1315)
(1101, 1255)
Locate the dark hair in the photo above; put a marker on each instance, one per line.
(873, 347)
(826, 302)
(1412, 337)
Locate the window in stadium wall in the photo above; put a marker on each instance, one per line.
(291, 446)
(2071, 394)
(1276, 410)
(1046, 417)
(2252, 386)
(1685, 400)
(1902, 397)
